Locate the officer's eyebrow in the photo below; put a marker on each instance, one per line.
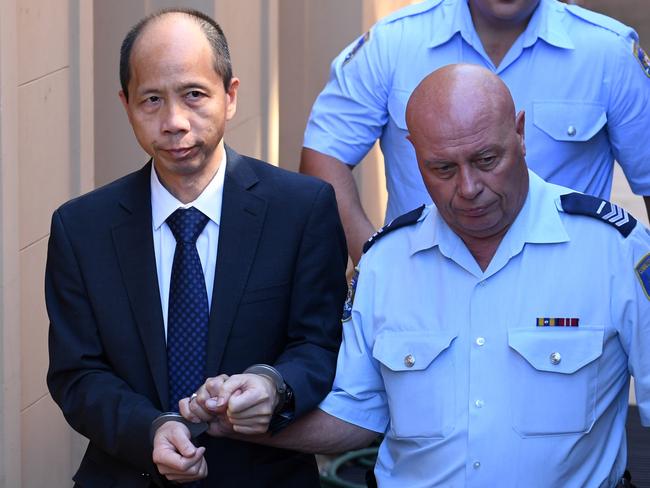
(437, 162)
(490, 149)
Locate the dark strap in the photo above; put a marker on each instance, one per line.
(408, 218)
(578, 203)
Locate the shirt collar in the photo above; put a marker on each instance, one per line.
(538, 222)
(163, 203)
(546, 23)
(455, 18)
(433, 231)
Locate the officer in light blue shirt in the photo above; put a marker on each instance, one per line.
(516, 375)
(491, 337)
(581, 77)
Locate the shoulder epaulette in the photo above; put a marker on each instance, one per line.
(601, 20)
(415, 9)
(408, 218)
(578, 203)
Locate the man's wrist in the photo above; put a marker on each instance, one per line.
(283, 392)
(195, 429)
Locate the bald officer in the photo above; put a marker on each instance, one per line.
(492, 336)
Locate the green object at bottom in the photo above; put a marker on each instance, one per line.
(362, 459)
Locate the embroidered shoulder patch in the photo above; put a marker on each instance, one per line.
(408, 218)
(643, 58)
(643, 273)
(362, 40)
(349, 301)
(578, 203)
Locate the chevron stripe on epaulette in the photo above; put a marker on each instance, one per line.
(408, 218)
(578, 203)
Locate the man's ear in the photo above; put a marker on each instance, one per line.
(125, 104)
(123, 99)
(520, 128)
(231, 98)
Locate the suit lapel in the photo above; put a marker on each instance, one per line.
(133, 238)
(242, 218)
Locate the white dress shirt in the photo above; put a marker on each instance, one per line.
(163, 204)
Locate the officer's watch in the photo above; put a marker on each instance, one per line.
(283, 392)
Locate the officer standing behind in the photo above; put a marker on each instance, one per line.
(492, 336)
(581, 77)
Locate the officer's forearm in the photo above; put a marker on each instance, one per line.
(356, 224)
(317, 432)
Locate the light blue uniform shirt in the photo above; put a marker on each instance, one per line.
(450, 363)
(574, 72)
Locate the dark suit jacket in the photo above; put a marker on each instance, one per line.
(278, 293)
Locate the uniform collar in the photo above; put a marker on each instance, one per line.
(546, 23)
(454, 18)
(163, 203)
(538, 222)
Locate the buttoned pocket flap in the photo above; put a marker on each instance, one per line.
(569, 121)
(408, 351)
(557, 350)
(397, 101)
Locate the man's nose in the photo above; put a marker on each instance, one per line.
(469, 184)
(175, 118)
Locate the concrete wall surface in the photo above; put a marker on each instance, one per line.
(45, 159)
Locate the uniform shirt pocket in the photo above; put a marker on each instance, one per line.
(555, 376)
(568, 120)
(418, 373)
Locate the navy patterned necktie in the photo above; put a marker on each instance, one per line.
(187, 314)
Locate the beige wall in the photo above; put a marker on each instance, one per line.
(45, 159)
(9, 249)
(63, 131)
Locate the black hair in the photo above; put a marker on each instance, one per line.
(210, 28)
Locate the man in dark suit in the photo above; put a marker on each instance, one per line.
(270, 255)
